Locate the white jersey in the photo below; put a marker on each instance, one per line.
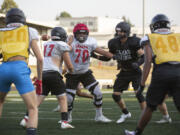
(80, 54)
(54, 49)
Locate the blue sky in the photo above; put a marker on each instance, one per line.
(46, 10)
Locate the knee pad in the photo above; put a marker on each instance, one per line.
(116, 98)
(95, 90)
(70, 100)
(152, 107)
(140, 97)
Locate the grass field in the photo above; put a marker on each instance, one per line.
(83, 118)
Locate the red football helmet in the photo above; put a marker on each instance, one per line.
(82, 29)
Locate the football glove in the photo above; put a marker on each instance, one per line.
(38, 84)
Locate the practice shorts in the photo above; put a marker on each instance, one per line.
(52, 82)
(124, 78)
(16, 72)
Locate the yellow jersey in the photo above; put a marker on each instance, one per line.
(14, 42)
(166, 47)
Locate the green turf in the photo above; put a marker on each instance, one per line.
(83, 118)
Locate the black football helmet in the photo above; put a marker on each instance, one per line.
(123, 26)
(59, 34)
(159, 21)
(15, 15)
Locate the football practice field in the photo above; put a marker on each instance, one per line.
(83, 117)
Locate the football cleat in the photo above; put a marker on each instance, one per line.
(127, 132)
(164, 120)
(123, 118)
(24, 121)
(103, 119)
(57, 109)
(65, 125)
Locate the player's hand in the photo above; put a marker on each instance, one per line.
(38, 84)
(64, 71)
(70, 39)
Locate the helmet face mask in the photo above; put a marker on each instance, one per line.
(158, 22)
(15, 15)
(81, 36)
(122, 30)
(81, 32)
(58, 34)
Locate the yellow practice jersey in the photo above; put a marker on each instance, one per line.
(14, 42)
(166, 47)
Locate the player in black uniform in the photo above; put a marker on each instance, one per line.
(162, 48)
(129, 55)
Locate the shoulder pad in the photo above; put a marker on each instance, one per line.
(134, 42)
(144, 41)
(112, 41)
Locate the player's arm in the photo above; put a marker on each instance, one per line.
(140, 52)
(38, 54)
(147, 64)
(64, 70)
(99, 57)
(67, 61)
(70, 40)
(104, 53)
(140, 61)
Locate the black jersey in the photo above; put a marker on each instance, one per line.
(127, 52)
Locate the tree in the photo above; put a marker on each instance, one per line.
(7, 4)
(63, 14)
(127, 20)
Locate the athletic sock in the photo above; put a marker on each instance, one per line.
(166, 116)
(31, 131)
(64, 116)
(99, 111)
(138, 131)
(125, 111)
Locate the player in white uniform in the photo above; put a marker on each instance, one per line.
(81, 49)
(55, 52)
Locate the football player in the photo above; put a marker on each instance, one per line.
(16, 40)
(55, 52)
(162, 47)
(81, 49)
(129, 56)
